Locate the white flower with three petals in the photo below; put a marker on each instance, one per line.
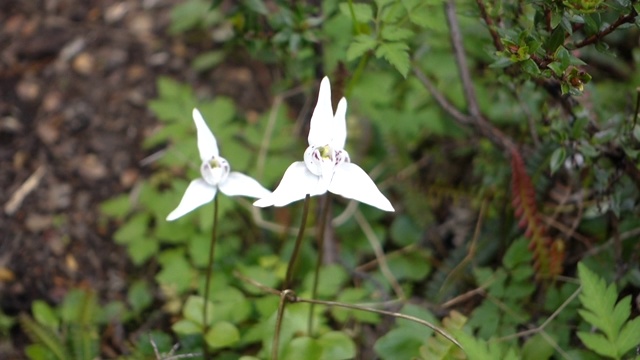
(216, 175)
(326, 165)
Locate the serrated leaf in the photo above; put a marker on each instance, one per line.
(395, 33)
(362, 12)
(601, 311)
(360, 45)
(629, 337)
(397, 54)
(597, 343)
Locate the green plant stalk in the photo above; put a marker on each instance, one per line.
(276, 336)
(296, 247)
(207, 283)
(635, 117)
(357, 73)
(316, 276)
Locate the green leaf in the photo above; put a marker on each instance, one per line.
(257, 6)
(222, 334)
(45, 315)
(117, 206)
(556, 39)
(557, 159)
(186, 327)
(360, 45)
(193, 310)
(397, 54)
(139, 296)
(537, 348)
(302, 348)
(629, 336)
(557, 68)
(530, 67)
(207, 60)
(399, 343)
(336, 345)
(176, 272)
(517, 254)
(404, 231)
(601, 311)
(598, 343)
(362, 12)
(331, 279)
(133, 230)
(564, 57)
(395, 33)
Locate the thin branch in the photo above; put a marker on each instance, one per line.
(484, 127)
(623, 19)
(461, 58)
(490, 25)
(291, 297)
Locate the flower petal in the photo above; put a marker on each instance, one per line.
(339, 132)
(296, 183)
(350, 181)
(197, 194)
(207, 144)
(243, 185)
(322, 118)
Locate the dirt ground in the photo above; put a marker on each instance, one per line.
(75, 79)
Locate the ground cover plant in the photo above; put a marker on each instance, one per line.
(492, 213)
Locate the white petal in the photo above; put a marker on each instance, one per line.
(197, 194)
(350, 181)
(296, 183)
(322, 118)
(207, 144)
(339, 131)
(243, 185)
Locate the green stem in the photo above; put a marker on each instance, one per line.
(207, 284)
(316, 276)
(296, 248)
(276, 336)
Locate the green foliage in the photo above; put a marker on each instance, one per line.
(617, 333)
(69, 333)
(546, 83)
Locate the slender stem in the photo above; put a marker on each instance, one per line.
(276, 336)
(207, 284)
(290, 296)
(296, 247)
(316, 276)
(635, 116)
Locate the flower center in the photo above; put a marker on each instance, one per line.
(324, 157)
(215, 170)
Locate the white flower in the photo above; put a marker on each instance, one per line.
(326, 165)
(216, 175)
